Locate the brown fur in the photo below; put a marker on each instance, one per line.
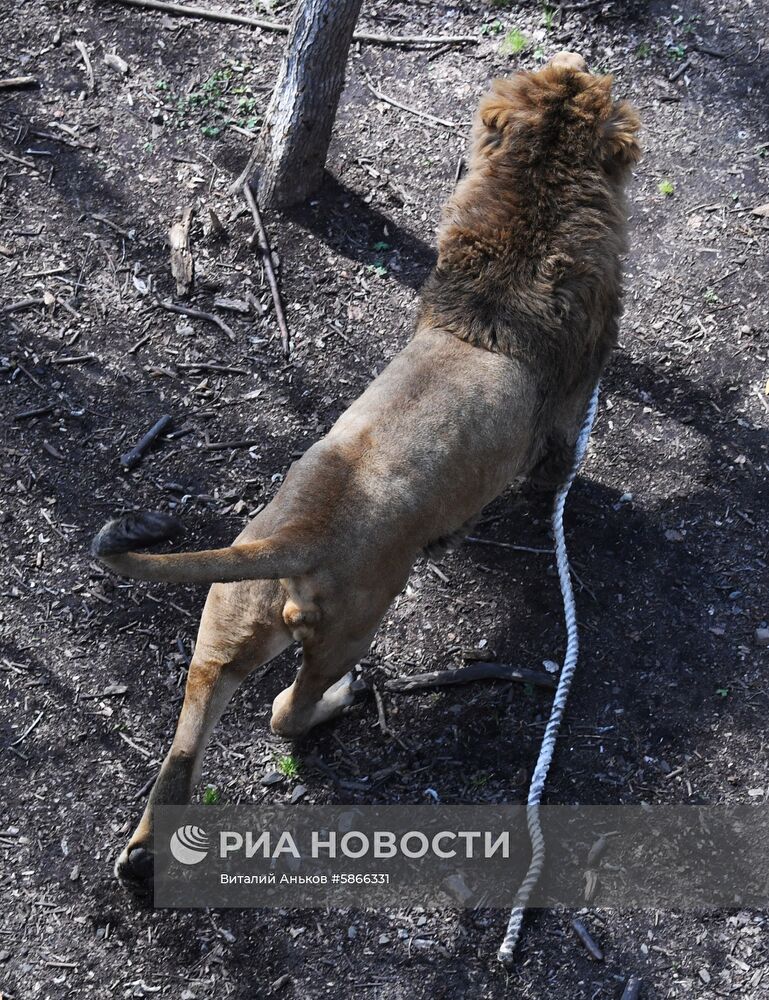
(517, 321)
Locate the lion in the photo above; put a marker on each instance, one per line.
(516, 323)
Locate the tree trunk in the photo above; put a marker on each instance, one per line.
(287, 163)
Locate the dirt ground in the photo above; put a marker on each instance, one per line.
(668, 524)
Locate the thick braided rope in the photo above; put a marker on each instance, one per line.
(505, 953)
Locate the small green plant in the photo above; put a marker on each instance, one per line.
(677, 52)
(515, 42)
(722, 692)
(644, 50)
(381, 245)
(548, 17)
(711, 296)
(289, 766)
(492, 28)
(211, 795)
(666, 188)
(225, 98)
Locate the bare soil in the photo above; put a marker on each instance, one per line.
(668, 524)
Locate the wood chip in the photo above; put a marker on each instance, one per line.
(182, 263)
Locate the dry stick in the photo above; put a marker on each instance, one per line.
(184, 10)
(380, 711)
(80, 46)
(203, 367)
(680, 71)
(474, 672)
(264, 246)
(144, 789)
(587, 940)
(38, 411)
(19, 159)
(27, 731)
(441, 122)
(108, 222)
(507, 545)
(182, 262)
(80, 360)
(763, 398)
(196, 314)
(226, 445)
(584, 5)
(22, 304)
(132, 458)
(633, 989)
(139, 343)
(18, 82)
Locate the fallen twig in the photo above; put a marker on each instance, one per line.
(226, 445)
(18, 82)
(27, 731)
(507, 545)
(19, 159)
(144, 789)
(80, 360)
(633, 989)
(680, 71)
(21, 304)
(186, 10)
(380, 711)
(440, 122)
(38, 411)
(264, 246)
(80, 46)
(204, 367)
(762, 397)
(196, 314)
(182, 264)
(132, 458)
(584, 5)
(139, 343)
(130, 742)
(474, 672)
(108, 222)
(587, 940)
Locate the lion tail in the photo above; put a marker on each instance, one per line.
(276, 557)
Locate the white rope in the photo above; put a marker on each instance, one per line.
(537, 863)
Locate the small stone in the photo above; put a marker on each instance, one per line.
(74, 875)
(297, 793)
(704, 975)
(762, 636)
(551, 666)
(673, 535)
(272, 778)
(4, 956)
(352, 932)
(383, 939)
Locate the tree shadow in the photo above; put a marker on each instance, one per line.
(342, 219)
